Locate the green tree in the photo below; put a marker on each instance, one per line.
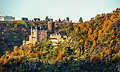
(59, 20)
(46, 18)
(80, 20)
(67, 19)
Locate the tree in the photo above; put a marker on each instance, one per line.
(80, 20)
(67, 19)
(15, 48)
(5, 61)
(59, 20)
(46, 18)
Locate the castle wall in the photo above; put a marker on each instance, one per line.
(42, 35)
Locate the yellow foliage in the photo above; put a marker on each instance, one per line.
(94, 43)
(34, 44)
(30, 46)
(119, 53)
(112, 17)
(100, 31)
(76, 29)
(81, 40)
(111, 41)
(86, 43)
(15, 48)
(21, 21)
(7, 52)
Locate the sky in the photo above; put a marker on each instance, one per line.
(74, 9)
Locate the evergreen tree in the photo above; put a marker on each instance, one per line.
(80, 19)
(46, 18)
(59, 20)
(67, 19)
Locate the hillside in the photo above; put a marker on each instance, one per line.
(90, 43)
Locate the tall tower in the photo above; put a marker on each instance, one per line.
(30, 36)
(51, 26)
(34, 34)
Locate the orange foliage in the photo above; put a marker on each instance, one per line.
(29, 51)
(13, 53)
(108, 51)
(3, 57)
(81, 40)
(5, 61)
(101, 55)
(41, 52)
(119, 53)
(87, 24)
(91, 58)
(36, 54)
(61, 53)
(90, 30)
(81, 25)
(20, 58)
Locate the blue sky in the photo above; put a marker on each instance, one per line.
(57, 8)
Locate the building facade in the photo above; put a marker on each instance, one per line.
(7, 18)
(55, 39)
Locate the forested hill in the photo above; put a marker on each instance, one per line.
(98, 37)
(96, 42)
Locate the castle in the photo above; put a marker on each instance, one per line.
(36, 35)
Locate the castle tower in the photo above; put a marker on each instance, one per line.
(34, 35)
(51, 26)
